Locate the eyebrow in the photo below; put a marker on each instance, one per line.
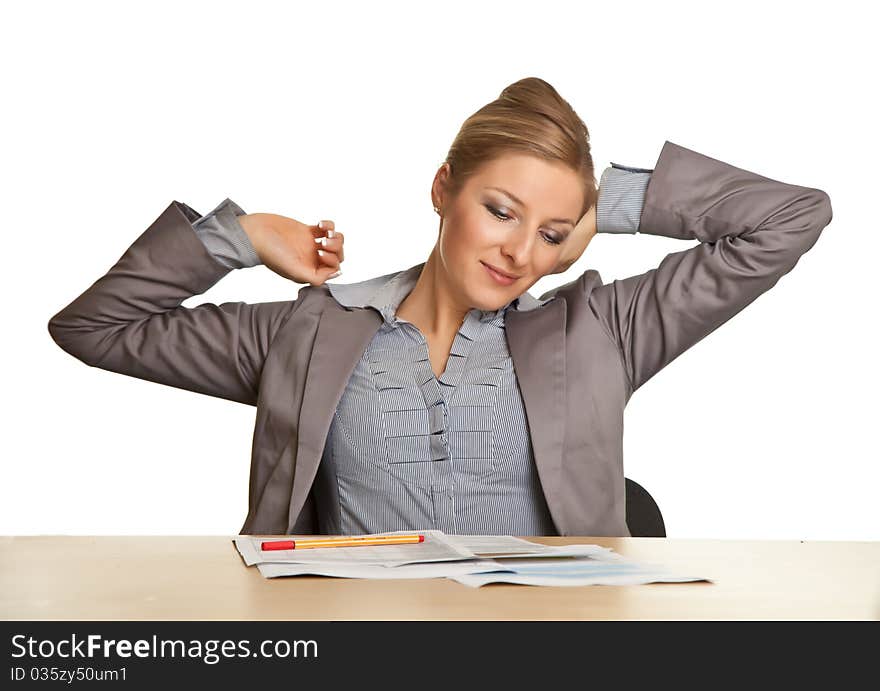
(520, 202)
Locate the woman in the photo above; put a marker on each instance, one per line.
(444, 395)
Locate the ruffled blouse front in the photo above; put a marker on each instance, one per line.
(408, 450)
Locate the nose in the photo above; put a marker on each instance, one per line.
(517, 246)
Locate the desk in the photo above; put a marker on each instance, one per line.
(204, 578)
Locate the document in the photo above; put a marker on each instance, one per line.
(507, 546)
(436, 547)
(472, 560)
(433, 570)
(600, 569)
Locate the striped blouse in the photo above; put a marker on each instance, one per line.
(407, 450)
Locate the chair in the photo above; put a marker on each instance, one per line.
(643, 517)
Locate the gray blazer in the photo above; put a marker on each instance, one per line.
(579, 355)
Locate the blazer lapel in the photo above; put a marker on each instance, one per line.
(341, 339)
(536, 340)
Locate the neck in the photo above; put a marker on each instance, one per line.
(431, 306)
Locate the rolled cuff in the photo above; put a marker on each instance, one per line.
(223, 236)
(621, 198)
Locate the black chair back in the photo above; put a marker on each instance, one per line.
(643, 517)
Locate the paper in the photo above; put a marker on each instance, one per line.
(434, 570)
(501, 544)
(436, 547)
(507, 546)
(462, 558)
(605, 569)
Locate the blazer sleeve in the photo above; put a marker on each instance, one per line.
(752, 231)
(131, 320)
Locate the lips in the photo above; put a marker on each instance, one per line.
(499, 271)
(499, 277)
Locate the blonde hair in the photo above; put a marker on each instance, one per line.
(528, 117)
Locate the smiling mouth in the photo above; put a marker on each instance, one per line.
(500, 272)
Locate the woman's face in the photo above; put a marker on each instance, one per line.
(516, 214)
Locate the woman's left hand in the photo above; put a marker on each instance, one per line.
(577, 242)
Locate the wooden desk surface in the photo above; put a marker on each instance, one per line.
(204, 578)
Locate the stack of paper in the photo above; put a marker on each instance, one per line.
(473, 560)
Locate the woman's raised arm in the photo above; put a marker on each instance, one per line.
(752, 231)
(131, 320)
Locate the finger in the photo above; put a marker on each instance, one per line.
(321, 228)
(332, 244)
(334, 235)
(325, 274)
(327, 259)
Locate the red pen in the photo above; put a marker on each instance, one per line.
(358, 541)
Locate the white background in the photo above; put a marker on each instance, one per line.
(765, 429)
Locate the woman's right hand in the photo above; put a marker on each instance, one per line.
(294, 250)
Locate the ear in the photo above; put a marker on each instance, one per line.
(577, 241)
(438, 187)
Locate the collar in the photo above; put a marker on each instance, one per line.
(385, 293)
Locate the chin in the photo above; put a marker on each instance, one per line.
(492, 300)
(487, 296)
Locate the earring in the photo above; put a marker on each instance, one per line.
(436, 210)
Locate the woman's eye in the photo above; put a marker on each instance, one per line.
(495, 212)
(549, 239)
